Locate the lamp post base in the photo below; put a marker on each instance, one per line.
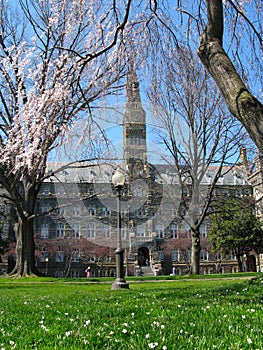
(120, 283)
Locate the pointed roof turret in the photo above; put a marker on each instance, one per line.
(132, 87)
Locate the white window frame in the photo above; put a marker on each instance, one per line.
(91, 230)
(159, 231)
(43, 256)
(60, 229)
(140, 230)
(75, 256)
(75, 210)
(203, 230)
(60, 256)
(175, 255)
(106, 230)
(76, 230)
(204, 255)
(188, 255)
(161, 255)
(173, 230)
(44, 230)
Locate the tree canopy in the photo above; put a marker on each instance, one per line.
(236, 229)
(58, 58)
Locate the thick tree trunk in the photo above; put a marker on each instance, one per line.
(25, 250)
(239, 263)
(241, 103)
(195, 254)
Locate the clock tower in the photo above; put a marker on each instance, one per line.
(134, 123)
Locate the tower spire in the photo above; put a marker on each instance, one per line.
(132, 87)
(134, 121)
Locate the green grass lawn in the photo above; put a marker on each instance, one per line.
(182, 314)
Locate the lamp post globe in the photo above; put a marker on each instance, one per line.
(118, 181)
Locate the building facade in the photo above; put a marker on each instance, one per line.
(76, 221)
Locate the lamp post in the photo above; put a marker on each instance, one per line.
(46, 261)
(118, 181)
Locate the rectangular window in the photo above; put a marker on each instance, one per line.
(161, 255)
(45, 209)
(46, 190)
(203, 231)
(75, 231)
(60, 230)
(159, 231)
(218, 256)
(75, 256)
(59, 256)
(75, 210)
(60, 211)
(188, 255)
(107, 259)
(59, 274)
(91, 211)
(91, 230)
(123, 232)
(186, 227)
(175, 255)
(106, 230)
(74, 274)
(90, 259)
(43, 257)
(173, 231)
(44, 231)
(140, 230)
(203, 255)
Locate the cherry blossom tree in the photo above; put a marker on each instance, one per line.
(66, 250)
(57, 59)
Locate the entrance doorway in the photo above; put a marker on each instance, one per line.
(251, 263)
(143, 255)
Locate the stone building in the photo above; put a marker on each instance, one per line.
(77, 204)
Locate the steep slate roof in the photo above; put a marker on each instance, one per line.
(102, 173)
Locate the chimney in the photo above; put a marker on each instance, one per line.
(243, 158)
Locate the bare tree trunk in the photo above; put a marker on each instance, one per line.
(25, 250)
(68, 265)
(239, 263)
(241, 103)
(195, 253)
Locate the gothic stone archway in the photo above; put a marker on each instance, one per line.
(251, 263)
(143, 255)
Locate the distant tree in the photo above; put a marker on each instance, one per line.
(72, 249)
(181, 244)
(101, 253)
(236, 229)
(64, 250)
